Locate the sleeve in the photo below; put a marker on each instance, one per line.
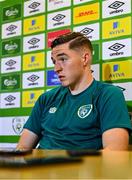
(113, 109)
(34, 121)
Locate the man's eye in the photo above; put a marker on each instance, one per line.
(63, 59)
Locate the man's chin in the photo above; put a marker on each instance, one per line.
(64, 84)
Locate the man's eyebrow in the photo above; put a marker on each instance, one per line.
(62, 54)
(58, 55)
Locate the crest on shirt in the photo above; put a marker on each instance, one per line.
(85, 110)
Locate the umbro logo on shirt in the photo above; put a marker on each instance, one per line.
(85, 110)
(52, 110)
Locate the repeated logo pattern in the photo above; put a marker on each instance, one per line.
(29, 27)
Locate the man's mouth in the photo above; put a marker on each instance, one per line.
(61, 77)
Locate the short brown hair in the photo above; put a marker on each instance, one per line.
(77, 39)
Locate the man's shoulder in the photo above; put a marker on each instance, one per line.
(107, 88)
(54, 93)
(56, 90)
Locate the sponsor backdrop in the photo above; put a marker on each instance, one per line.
(26, 71)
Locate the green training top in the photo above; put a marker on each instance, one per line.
(66, 121)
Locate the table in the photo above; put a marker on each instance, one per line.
(108, 165)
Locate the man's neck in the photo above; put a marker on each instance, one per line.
(81, 87)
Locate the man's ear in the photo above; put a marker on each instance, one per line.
(87, 58)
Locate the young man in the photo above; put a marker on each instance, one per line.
(82, 113)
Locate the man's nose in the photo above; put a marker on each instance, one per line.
(57, 67)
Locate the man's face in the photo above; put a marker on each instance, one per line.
(68, 64)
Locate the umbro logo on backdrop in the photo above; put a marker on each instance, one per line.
(10, 62)
(33, 41)
(58, 17)
(33, 78)
(86, 31)
(116, 47)
(10, 98)
(115, 8)
(34, 5)
(11, 28)
(116, 5)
